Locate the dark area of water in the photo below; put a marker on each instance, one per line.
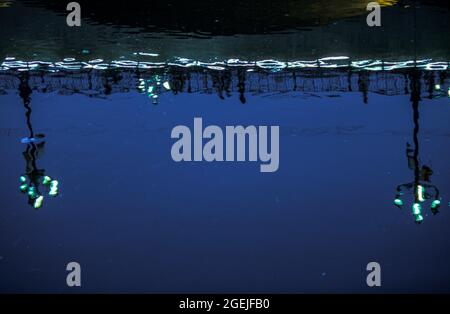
(351, 143)
(221, 30)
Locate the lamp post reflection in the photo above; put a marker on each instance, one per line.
(33, 181)
(420, 187)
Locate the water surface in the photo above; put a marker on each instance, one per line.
(364, 136)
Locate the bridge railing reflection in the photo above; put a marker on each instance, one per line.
(228, 81)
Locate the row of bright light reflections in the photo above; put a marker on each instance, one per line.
(272, 65)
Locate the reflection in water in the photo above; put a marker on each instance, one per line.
(363, 84)
(180, 18)
(423, 77)
(33, 178)
(334, 74)
(152, 87)
(421, 188)
(282, 29)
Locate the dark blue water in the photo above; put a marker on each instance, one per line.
(139, 222)
(87, 176)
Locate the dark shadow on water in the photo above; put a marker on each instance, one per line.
(208, 30)
(206, 18)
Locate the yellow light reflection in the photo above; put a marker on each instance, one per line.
(387, 3)
(5, 4)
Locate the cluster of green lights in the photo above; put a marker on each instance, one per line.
(417, 207)
(32, 191)
(151, 87)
